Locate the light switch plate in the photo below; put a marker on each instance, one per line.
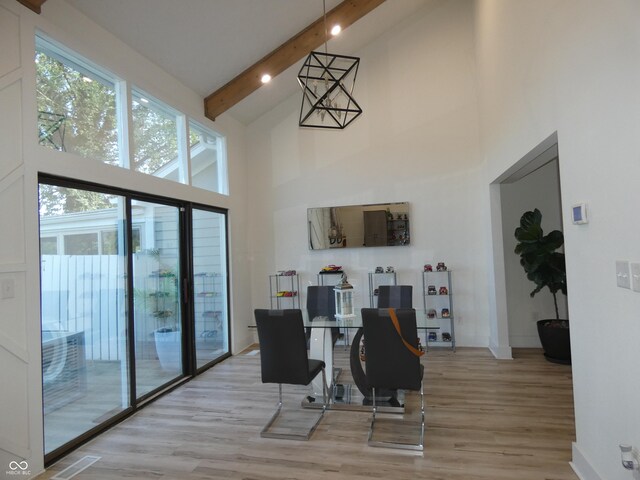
(635, 277)
(622, 274)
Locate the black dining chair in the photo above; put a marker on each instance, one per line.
(321, 302)
(393, 364)
(395, 296)
(284, 360)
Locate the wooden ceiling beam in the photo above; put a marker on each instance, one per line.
(33, 4)
(276, 62)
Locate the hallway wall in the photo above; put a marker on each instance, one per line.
(572, 67)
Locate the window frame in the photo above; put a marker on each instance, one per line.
(125, 93)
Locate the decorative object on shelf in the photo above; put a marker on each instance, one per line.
(379, 270)
(331, 269)
(545, 267)
(327, 81)
(344, 298)
(431, 290)
(432, 336)
(431, 313)
(286, 273)
(445, 313)
(441, 267)
(390, 270)
(446, 337)
(286, 293)
(428, 268)
(443, 291)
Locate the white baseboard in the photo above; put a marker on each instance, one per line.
(501, 352)
(581, 465)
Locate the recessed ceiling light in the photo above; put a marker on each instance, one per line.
(335, 30)
(87, 79)
(144, 100)
(266, 78)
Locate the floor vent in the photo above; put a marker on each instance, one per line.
(75, 468)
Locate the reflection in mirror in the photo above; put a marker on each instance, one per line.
(376, 225)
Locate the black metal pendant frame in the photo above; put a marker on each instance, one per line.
(327, 82)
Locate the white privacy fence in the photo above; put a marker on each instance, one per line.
(86, 293)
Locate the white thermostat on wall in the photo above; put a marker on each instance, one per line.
(579, 213)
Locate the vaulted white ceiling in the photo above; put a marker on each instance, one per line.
(206, 43)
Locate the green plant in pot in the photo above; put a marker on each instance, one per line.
(545, 266)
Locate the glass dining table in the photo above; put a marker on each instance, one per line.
(355, 395)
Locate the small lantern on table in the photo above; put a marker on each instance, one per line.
(344, 299)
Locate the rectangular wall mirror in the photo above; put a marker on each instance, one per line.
(374, 225)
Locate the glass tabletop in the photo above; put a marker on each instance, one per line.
(422, 321)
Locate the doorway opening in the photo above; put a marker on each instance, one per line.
(532, 182)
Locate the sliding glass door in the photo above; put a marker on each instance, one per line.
(210, 285)
(133, 299)
(156, 296)
(85, 369)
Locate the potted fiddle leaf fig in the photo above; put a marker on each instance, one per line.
(545, 266)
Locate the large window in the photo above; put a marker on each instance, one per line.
(208, 166)
(155, 136)
(82, 109)
(76, 106)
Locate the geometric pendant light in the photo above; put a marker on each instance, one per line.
(327, 82)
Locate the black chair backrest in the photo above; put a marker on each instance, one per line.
(389, 363)
(283, 346)
(321, 301)
(395, 296)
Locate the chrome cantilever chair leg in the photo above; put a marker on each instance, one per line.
(397, 444)
(304, 435)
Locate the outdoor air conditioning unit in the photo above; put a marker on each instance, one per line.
(64, 373)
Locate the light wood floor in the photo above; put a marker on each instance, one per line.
(486, 420)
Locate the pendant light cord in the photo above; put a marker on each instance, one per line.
(324, 12)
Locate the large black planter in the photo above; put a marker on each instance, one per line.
(555, 341)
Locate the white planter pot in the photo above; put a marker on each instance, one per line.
(169, 350)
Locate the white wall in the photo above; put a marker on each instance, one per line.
(573, 67)
(540, 189)
(23, 158)
(417, 141)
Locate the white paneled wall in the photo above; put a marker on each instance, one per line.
(18, 436)
(21, 159)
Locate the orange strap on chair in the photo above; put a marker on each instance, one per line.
(396, 324)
